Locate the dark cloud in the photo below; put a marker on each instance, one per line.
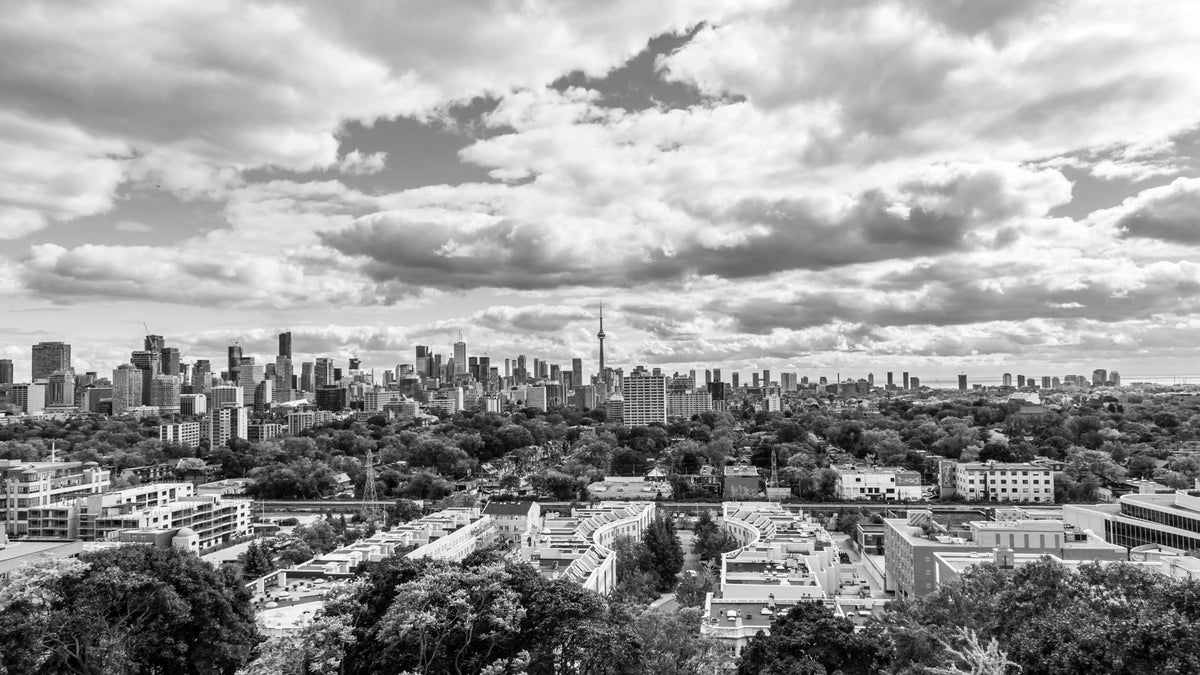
(640, 83)
(951, 299)
(927, 218)
(1170, 213)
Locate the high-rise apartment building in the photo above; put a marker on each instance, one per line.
(1006, 379)
(962, 382)
(904, 381)
(164, 394)
(6, 371)
(49, 357)
(645, 399)
(202, 375)
(127, 388)
(323, 373)
(1099, 377)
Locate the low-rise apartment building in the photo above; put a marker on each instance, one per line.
(998, 481)
(29, 485)
(159, 507)
(878, 483)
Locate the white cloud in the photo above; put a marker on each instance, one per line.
(132, 226)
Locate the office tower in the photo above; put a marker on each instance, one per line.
(6, 371)
(285, 344)
(890, 381)
(202, 375)
(1055, 382)
(555, 373)
(150, 365)
(708, 377)
(249, 375)
(485, 368)
(423, 363)
(1045, 382)
(193, 405)
(127, 388)
(734, 378)
(49, 357)
(1115, 378)
(871, 380)
(962, 382)
(916, 382)
(577, 373)
(904, 381)
(331, 397)
(645, 399)
(264, 396)
(600, 336)
(1020, 381)
(519, 371)
(355, 363)
(170, 360)
(717, 375)
(508, 367)
(460, 356)
(754, 381)
(164, 394)
(323, 373)
(307, 377)
(337, 376)
(224, 395)
(154, 343)
(1006, 379)
(60, 387)
(766, 380)
(29, 397)
(1099, 377)
(235, 359)
(283, 377)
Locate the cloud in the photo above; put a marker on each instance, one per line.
(132, 226)
(1170, 213)
(947, 208)
(356, 163)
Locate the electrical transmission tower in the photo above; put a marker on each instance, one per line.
(370, 509)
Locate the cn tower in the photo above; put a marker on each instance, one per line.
(602, 335)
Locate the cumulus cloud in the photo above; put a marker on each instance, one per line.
(358, 163)
(1170, 213)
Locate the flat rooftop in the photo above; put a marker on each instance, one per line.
(20, 552)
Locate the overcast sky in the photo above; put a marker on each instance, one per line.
(939, 186)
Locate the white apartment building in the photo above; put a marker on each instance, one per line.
(886, 483)
(299, 421)
(186, 434)
(645, 397)
(685, 404)
(29, 485)
(157, 506)
(1004, 482)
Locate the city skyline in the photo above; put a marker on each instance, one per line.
(741, 185)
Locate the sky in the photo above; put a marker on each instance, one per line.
(822, 186)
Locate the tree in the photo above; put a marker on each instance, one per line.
(711, 541)
(809, 639)
(666, 553)
(672, 644)
(132, 609)
(256, 561)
